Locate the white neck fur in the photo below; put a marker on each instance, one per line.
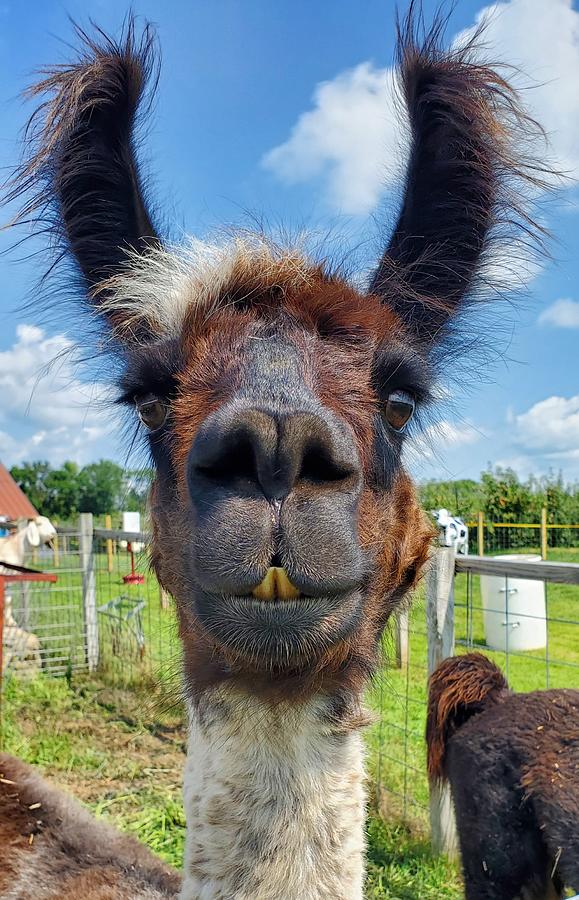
(274, 799)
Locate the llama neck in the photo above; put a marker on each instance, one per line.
(274, 799)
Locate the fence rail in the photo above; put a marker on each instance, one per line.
(554, 572)
(486, 536)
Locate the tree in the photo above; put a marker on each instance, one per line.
(63, 491)
(101, 487)
(505, 499)
(31, 478)
(462, 498)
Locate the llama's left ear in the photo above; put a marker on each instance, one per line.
(81, 180)
(464, 183)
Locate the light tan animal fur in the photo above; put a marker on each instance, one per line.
(267, 787)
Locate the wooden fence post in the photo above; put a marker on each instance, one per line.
(544, 532)
(401, 639)
(440, 636)
(109, 525)
(89, 590)
(480, 533)
(55, 552)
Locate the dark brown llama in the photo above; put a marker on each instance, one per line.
(512, 762)
(276, 399)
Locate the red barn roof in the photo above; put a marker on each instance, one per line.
(14, 504)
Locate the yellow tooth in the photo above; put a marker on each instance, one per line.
(276, 585)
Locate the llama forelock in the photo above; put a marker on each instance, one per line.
(159, 288)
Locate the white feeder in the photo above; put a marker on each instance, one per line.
(514, 610)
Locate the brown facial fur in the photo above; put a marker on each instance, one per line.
(337, 332)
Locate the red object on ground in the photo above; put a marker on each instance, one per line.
(133, 577)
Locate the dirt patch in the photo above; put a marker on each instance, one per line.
(100, 742)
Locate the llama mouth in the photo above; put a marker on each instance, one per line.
(283, 633)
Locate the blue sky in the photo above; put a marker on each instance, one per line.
(284, 111)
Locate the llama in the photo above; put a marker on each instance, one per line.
(512, 761)
(276, 399)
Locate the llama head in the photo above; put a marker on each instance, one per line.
(276, 395)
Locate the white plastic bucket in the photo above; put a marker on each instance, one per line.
(514, 610)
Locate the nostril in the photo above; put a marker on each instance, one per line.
(233, 461)
(319, 466)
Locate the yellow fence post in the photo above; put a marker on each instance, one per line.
(544, 533)
(109, 525)
(481, 534)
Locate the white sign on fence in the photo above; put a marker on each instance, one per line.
(131, 521)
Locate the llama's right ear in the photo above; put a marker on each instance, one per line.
(466, 182)
(80, 179)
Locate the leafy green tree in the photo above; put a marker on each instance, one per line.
(63, 491)
(101, 487)
(463, 497)
(505, 499)
(31, 478)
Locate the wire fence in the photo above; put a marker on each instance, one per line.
(544, 537)
(94, 617)
(106, 615)
(529, 627)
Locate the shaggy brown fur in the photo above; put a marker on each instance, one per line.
(512, 761)
(53, 849)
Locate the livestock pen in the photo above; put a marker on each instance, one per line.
(104, 715)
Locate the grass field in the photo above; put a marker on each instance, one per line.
(117, 743)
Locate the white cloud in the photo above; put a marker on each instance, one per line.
(542, 40)
(436, 440)
(562, 313)
(550, 427)
(351, 135)
(55, 415)
(447, 434)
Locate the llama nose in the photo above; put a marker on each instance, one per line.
(252, 452)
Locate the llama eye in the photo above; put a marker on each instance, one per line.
(152, 412)
(399, 409)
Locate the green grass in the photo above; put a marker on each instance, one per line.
(401, 866)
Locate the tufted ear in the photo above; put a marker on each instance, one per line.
(464, 184)
(80, 179)
(33, 534)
